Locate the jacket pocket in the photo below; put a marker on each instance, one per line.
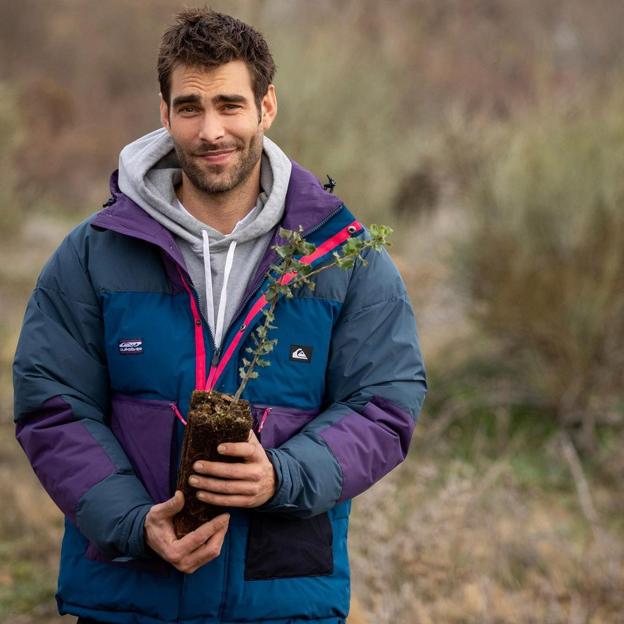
(280, 546)
(144, 428)
(153, 566)
(274, 425)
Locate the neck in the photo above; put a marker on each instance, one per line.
(221, 211)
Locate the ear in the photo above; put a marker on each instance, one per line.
(164, 113)
(269, 107)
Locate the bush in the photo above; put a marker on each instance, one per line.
(544, 261)
(10, 139)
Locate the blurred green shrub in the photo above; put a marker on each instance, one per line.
(10, 138)
(543, 263)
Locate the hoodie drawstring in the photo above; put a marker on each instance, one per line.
(208, 276)
(229, 261)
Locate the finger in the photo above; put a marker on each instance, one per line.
(225, 470)
(224, 486)
(226, 500)
(236, 449)
(206, 552)
(170, 507)
(195, 539)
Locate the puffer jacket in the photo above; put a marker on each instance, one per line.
(111, 348)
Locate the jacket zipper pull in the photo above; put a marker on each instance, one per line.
(215, 357)
(177, 412)
(265, 414)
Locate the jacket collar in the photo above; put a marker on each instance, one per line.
(307, 204)
(124, 216)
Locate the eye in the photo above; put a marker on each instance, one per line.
(231, 107)
(187, 110)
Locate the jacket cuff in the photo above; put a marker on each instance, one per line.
(283, 483)
(137, 546)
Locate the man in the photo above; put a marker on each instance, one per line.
(156, 295)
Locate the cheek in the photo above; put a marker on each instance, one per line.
(184, 132)
(187, 132)
(244, 128)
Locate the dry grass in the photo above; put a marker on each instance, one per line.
(30, 529)
(445, 540)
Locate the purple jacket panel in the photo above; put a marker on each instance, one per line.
(368, 445)
(126, 217)
(65, 456)
(276, 425)
(144, 429)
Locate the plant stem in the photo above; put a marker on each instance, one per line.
(277, 289)
(256, 356)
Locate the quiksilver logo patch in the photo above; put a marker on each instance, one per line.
(300, 353)
(131, 346)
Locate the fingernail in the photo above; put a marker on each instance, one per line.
(194, 481)
(221, 448)
(199, 466)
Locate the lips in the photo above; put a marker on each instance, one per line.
(217, 157)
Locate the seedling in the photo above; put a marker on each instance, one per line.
(215, 417)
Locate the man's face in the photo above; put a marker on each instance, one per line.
(215, 124)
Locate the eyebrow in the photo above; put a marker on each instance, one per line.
(223, 98)
(193, 98)
(185, 99)
(229, 99)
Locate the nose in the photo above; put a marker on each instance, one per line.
(211, 129)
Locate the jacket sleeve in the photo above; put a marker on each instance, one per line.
(375, 387)
(61, 403)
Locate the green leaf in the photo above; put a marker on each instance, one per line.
(282, 251)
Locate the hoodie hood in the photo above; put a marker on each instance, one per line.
(220, 265)
(149, 171)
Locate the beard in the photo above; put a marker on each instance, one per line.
(213, 179)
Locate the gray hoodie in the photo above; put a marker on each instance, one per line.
(220, 265)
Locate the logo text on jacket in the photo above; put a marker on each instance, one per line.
(131, 346)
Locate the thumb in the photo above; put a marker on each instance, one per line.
(170, 507)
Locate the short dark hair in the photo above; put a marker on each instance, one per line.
(202, 37)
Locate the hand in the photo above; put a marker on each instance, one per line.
(194, 549)
(247, 484)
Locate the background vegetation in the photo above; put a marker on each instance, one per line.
(490, 135)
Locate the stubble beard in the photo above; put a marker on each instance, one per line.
(214, 181)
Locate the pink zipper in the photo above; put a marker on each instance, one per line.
(265, 414)
(200, 347)
(324, 248)
(176, 411)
